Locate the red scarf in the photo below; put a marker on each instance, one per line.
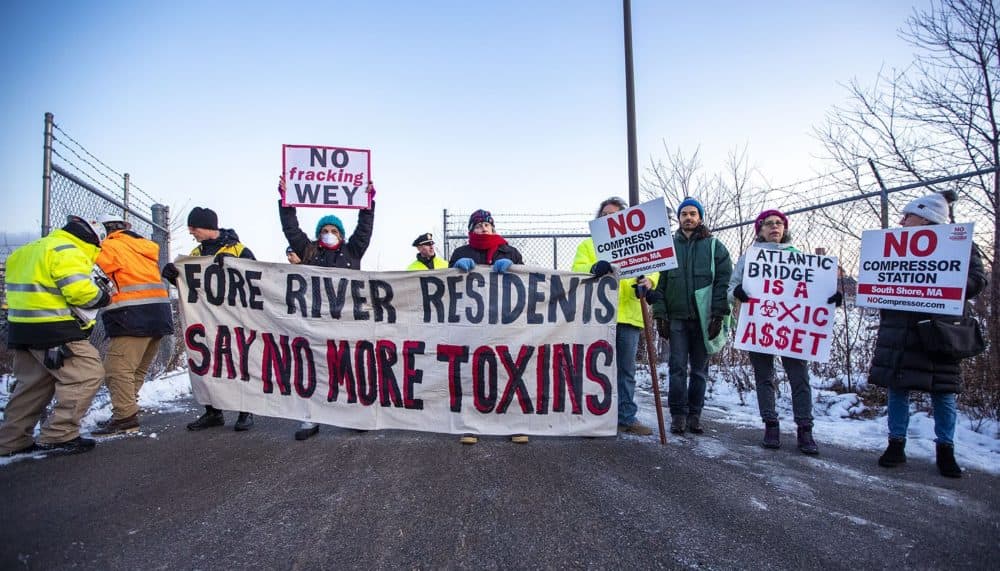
(488, 242)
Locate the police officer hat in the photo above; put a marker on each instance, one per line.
(422, 239)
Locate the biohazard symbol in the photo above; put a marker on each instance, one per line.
(769, 309)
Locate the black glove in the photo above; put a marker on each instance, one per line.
(837, 299)
(219, 259)
(601, 268)
(104, 301)
(653, 296)
(170, 273)
(741, 295)
(715, 326)
(663, 327)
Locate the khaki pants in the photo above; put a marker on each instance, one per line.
(126, 364)
(74, 386)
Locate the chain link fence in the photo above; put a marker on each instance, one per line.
(81, 184)
(832, 228)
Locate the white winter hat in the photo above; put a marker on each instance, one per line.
(933, 207)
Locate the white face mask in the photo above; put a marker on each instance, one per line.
(329, 239)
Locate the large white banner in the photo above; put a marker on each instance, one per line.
(787, 313)
(921, 268)
(531, 351)
(637, 239)
(326, 177)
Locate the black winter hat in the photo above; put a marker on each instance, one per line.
(203, 218)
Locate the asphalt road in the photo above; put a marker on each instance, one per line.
(225, 500)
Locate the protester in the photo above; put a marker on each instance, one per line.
(630, 322)
(203, 225)
(137, 318)
(485, 247)
(48, 283)
(678, 313)
(901, 363)
(771, 227)
(426, 257)
(328, 250)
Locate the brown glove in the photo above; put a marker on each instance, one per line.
(714, 327)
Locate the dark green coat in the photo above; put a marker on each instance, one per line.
(693, 272)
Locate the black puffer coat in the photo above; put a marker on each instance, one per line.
(348, 255)
(902, 362)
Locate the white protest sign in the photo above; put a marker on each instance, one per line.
(920, 268)
(524, 352)
(787, 313)
(637, 240)
(326, 177)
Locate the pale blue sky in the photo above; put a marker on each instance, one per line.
(513, 106)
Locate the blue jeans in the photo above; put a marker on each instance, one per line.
(945, 415)
(687, 345)
(626, 344)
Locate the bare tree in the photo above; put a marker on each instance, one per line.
(937, 117)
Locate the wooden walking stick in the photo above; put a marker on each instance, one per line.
(651, 359)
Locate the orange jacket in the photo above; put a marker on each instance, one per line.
(132, 262)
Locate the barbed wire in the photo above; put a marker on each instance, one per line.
(114, 192)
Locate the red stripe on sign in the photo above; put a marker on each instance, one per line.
(646, 258)
(914, 291)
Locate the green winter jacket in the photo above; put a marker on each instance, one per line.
(693, 272)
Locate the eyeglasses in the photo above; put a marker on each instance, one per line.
(774, 224)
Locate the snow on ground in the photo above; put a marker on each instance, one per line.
(832, 423)
(974, 449)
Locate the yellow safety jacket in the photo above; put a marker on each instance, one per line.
(629, 308)
(234, 249)
(44, 279)
(416, 265)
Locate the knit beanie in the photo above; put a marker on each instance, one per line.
(616, 200)
(480, 216)
(933, 207)
(331, 220)
(203, 218)
(764, 215)
(691, 202)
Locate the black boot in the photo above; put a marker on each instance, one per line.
(677, 424)
(772, 435)
(946, 461)
(306, 431)
(894, 454)
(243, 422)
(212, 417)
(806, 443)
(694, 424)
(75, 446)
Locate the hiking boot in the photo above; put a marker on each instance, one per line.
(26, 450)
(806, 443)
(694, 424)
(946, 461)
(306, 431)
(636, 427)
(519, 439)
(114, 426)
(243, 422)
(468, 439)
(75, 446)
(894, 454)
(772, 435)
(212, 417)
(677, 424)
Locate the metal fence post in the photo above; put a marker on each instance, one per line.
(47, 176)
(883, 198)
(555, 252)
(125, 194)
(161, 234)
(444, 234)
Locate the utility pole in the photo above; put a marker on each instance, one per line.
(633, 160)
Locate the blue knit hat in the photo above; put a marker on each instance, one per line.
(688, 201)
(332, 221)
